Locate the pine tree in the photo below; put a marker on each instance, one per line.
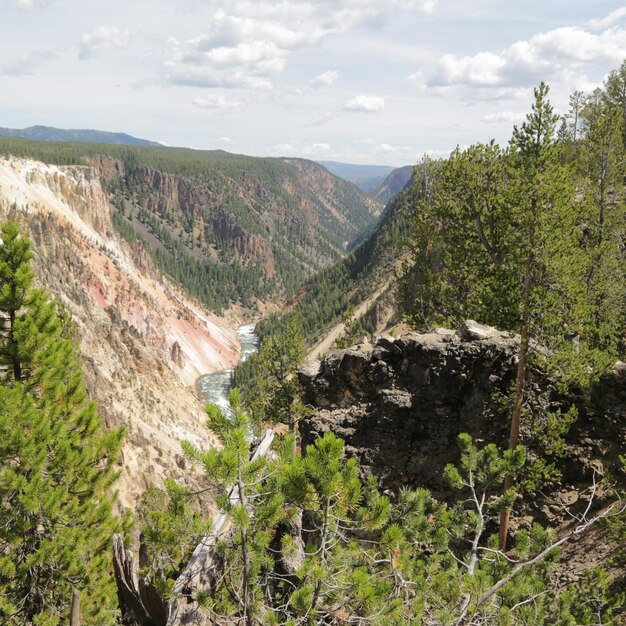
(576, 105)
(464, 259)
(274, 395)
(600, 169)
(170, 531)
(615, 97)
(352, 559)
(16, 277)
(299, 545)
(340, 522)
(252, 507)
(542, 193)
(56, 463)
(500, 236)
(448, 567)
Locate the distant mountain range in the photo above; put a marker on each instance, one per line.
(368, 177)
(383, 182)
(393, 184)
(48, 133)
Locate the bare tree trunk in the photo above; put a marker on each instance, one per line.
(245, 557)
(129, 594)
(75, 614)
(324, 548)
(520, 383)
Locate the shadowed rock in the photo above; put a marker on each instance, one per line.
(401, 403)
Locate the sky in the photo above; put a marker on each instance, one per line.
(358, 81)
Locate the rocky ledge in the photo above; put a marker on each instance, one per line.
(401, 402)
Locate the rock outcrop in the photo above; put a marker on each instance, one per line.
(401, 403)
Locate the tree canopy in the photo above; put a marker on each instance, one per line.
(57, 464)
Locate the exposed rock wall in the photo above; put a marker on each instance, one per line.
(143, 343)
(293, 219)
(401, 403)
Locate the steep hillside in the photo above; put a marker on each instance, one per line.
(348, 299)
(228, 228)
(395, 182)
(143, 342)
(49, 133)
(364, 276)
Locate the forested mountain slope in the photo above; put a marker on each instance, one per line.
(228, 228)
(352, 297)
(393, 184)
(352, 280)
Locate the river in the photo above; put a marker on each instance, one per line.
(215, 387)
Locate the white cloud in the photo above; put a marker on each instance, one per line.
(384, 148)
(365, 104)
(225, 141)
(219, 101)
(247, 64)
(481, 69)
(325, 79)
(417, 79)
(504, 116)
(247, 42)
(610, 19)
(32, 4)
(103, 38)
(298, 149)
(559, 55)
(26, 63)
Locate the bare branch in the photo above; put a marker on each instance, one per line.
(544, 553)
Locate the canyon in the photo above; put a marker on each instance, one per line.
(109, 227)
(143, 342)
(399, 401)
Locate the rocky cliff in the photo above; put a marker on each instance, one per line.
(142, 341)
(401, 403)
(285, 217)
(228, 228)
